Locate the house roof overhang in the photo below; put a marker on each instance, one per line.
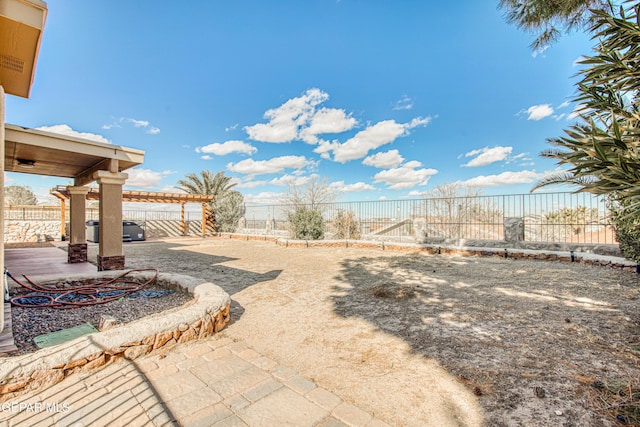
(51, 154)
(21, 25)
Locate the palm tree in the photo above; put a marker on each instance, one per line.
(550, 18)
(218, 186)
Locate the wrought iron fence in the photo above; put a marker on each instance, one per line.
(547, 217)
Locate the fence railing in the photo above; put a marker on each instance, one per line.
(545, 217)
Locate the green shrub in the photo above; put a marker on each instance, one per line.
(346, 225)
(626, 224)
(306, 223)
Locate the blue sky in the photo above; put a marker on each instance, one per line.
(383, 99)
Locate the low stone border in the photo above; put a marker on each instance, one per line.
(517, 253)
(207, 315)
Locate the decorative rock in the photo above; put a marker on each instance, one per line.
(133, 353)
(107, 322)
(74, 364)
(188, 335)
(42, 378)
(162, 338)
(11, 387)
(150, 340)
(96, 363)
(207, 328)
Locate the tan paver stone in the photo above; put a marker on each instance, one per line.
(237, 347)
(264, 363)
(146, 365)
(323, 398)
(213, 370)
(218, 353)
(351, 415)
(176, 385)
(102, 411)
(207, 416)
(239, 381)
(377, 423)
(218, 342)
(300, 384)
(232, 421)
(236, 402)
(188, 404)
(281, 408)
(283, 373)
(163, 371)
(190, 363)
(249, 354)
(261, 390)
(196, 350)
(170, 358)
(331, 422)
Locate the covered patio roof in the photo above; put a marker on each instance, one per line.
(51, 154)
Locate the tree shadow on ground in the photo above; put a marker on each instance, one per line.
(505, 328)
(171, 257)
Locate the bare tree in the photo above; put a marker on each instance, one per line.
(19, 195)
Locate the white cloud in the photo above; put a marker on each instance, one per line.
(264, 198)
(287, 180)
(66, 130)
(327, 120)
(539, 112)
(385, 160)
(505, 178)
(206, 157)
(405, 176)
(564, 105)
(405, 103)
(415, 193)
(285, 120)
(341, 187)
(274, 165)
(143, 178)
(251, 184)
(227, 147)
(486, 156)
(372, 137)
(580, 109)
(230, 128)
(142, 124)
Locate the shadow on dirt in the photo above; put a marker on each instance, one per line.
(512, 331)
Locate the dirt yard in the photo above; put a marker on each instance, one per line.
(423, 340)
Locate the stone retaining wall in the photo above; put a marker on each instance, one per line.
(16, 231)
(207, 316)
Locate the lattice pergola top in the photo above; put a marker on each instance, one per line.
(140, 196)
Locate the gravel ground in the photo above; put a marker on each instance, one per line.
(429, 339)
(30, 322)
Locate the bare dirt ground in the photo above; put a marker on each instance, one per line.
(430, 339)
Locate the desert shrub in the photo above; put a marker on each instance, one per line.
(625, 220)
(228, 208)
(306, 223)
(346, 225)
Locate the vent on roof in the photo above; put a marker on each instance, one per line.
(11, 63)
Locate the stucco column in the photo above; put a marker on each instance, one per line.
(2, 98)
(77, 228)
(110, 253)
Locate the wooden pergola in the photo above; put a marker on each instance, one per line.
(62, 193)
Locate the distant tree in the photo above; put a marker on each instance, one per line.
(305, 205)
(229, 209)
(551, 18)
(217, 185)
(19, 195)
